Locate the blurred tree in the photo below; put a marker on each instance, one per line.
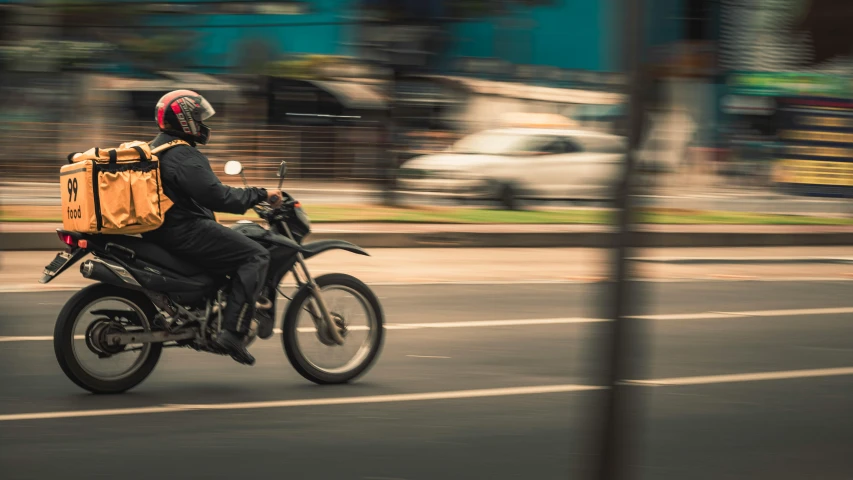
(122, 25)
(165, 51)
(301, 66)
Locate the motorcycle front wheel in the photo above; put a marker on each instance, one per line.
(358, 316)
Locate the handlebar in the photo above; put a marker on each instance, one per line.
(265, 210)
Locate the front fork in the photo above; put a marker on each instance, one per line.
(325, 323)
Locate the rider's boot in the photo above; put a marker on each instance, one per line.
(233, 343)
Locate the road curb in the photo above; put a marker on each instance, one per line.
(48, 241)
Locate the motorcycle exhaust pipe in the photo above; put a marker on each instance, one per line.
(104, 272)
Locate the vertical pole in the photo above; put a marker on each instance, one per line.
(389, 173)
(617, 435)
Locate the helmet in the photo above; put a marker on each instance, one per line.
(181, 113)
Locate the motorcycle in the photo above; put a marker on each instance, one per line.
(109, 336)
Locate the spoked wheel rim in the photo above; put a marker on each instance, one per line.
(360, 331)
(93, 355)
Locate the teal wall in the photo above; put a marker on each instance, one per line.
(218, 37)
(571, 34)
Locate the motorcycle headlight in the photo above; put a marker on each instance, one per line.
(303, 217)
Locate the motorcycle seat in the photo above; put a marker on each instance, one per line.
(149, 252)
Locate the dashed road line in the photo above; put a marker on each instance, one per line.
(552, 321)
(430, 396)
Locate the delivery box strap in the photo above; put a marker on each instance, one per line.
(143, 157)
(166, 146)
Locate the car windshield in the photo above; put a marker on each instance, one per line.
(497, 143)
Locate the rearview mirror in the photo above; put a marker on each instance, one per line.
(282, 169)
(233, 167)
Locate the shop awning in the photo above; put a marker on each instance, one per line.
(355, 96)
(170, 81)
(533, 92)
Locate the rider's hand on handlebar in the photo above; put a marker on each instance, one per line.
(274, 198)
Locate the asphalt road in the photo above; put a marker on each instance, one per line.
(693, 424)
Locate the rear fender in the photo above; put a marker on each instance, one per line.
(117, 314)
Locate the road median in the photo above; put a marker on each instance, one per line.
(42, 236)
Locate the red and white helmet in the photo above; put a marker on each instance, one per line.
(182, 113)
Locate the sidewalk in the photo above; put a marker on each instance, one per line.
(20, 271)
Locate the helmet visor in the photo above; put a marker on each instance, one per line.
(205, 110)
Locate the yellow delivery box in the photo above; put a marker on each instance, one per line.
(114, 191)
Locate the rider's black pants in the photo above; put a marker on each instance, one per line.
(220, 251)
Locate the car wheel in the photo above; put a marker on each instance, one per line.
(507, 197)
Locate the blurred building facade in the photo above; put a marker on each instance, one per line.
(296, 65)
(311, 66)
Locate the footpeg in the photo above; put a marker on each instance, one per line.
(263, 304)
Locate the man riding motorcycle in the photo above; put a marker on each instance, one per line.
(190, 229)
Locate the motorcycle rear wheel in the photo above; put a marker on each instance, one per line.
(71, 351)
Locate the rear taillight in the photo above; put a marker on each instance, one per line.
(67, 239)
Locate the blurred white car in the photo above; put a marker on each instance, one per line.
(520, 163)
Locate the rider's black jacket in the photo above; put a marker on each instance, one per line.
(191, 184)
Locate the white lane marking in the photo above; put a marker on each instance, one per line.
(482, 282)
(744, 377)
(406, 397)
(796, 312)
(472, 323)
(427, 396)
(26, 339)
(35, 288)
(686, 316)
(87, 413)
(35, 338)
(553, 321)
(494, 323)
(427, 356)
